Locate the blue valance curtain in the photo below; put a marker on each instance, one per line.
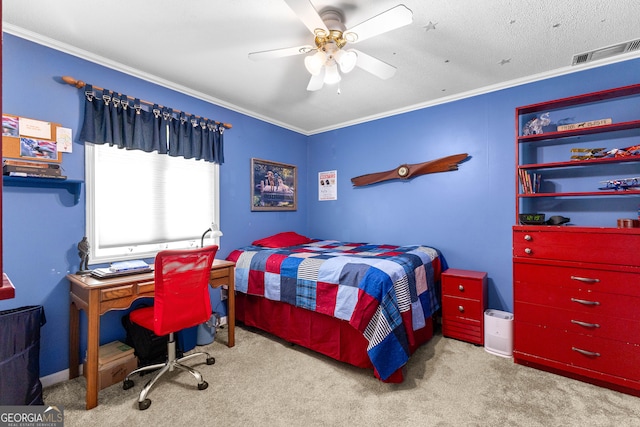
(111, 118)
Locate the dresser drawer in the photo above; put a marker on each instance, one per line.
(580, 277)
(607, 356)
(578, 300)
(595, 245)
(579, 322)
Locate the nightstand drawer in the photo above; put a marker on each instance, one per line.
(464, 283)
(462, 308)
(463, 329)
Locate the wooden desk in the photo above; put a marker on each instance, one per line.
(96, 297)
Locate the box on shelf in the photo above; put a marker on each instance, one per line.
(115, 361)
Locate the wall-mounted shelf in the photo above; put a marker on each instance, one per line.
(73, 186)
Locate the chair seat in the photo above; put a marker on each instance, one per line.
(143, 317)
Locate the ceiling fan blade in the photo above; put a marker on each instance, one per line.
(316, 82)
(375, 66)
(280, 53)
(307, 14)
(393, 18)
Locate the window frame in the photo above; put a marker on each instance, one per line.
(141, 250)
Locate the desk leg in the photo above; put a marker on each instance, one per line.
(93, 348)
(231, 309)
(74, 340)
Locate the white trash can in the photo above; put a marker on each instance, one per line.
(498, 333)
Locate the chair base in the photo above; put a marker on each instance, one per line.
(169, 366)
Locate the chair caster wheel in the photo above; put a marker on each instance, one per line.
(127, 384)
(203, 386)
(211, 360)
(144, 404)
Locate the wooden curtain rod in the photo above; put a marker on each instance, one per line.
(80, 84)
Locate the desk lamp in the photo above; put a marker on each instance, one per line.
(214, 230)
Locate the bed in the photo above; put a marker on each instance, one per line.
(368, 305)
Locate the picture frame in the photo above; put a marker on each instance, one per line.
(274, 186)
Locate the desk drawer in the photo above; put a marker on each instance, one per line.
(117, 293)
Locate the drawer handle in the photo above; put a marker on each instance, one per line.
(585, 324)
(584, 301)
(585, 279)
(585, 352)
(527, 238)
(461, 309)
(528, 251)
(461, 288)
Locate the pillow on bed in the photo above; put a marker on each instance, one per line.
(281, 240)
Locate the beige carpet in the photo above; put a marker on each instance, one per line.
(264, 381)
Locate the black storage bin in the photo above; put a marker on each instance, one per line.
(20, 356)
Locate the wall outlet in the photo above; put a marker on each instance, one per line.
(224, 293)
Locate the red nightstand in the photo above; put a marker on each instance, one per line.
(464, 296)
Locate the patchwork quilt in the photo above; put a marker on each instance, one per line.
(384, 291)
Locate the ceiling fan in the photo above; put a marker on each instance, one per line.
(330, 38)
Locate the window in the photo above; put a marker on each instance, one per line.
(139, 203)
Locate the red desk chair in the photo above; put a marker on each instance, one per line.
(181, 301)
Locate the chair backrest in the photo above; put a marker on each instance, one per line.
(182, 288)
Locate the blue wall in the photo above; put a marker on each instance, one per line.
(467, 214)
(41, 227)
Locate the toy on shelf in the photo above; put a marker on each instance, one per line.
(621, 184)
(603, 153)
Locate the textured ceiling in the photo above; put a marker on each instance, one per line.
(452, 49)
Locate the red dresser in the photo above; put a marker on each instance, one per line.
(464, 296)
(576, 303)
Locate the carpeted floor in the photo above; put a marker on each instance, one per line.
(264, 381)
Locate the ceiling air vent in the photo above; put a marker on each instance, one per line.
(606, 52)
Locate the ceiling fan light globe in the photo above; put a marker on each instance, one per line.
(332, 76)
(347, 60)
(314, 63)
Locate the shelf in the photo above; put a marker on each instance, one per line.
(580, 163)
(589, 98)
(583, 194)
(73, 186)
(546, 154)
(615, 127)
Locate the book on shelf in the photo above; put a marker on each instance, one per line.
(35, 175)
(529, 182)
(16, 162)
(6, 169)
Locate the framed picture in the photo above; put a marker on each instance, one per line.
(273, 186)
